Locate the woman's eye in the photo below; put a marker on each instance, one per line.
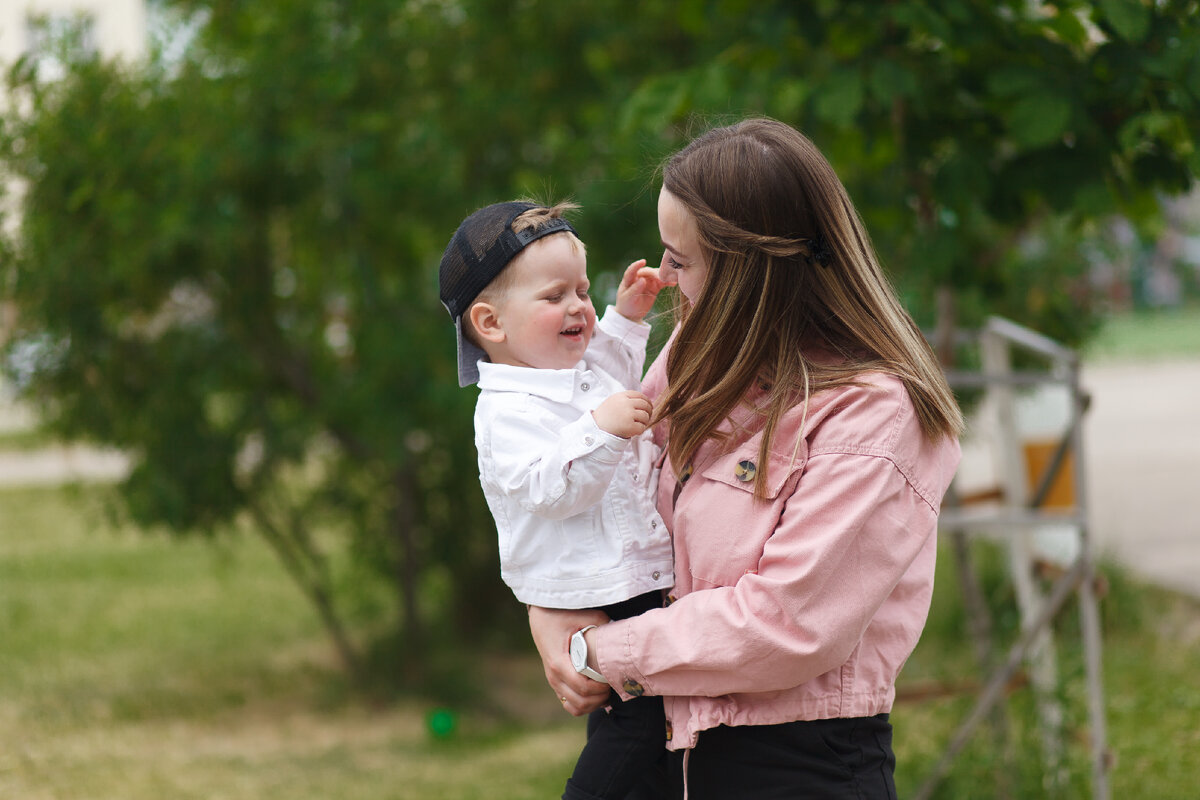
(674, 264)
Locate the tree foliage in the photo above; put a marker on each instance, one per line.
(225, 264)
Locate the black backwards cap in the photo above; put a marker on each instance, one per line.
(480, 249)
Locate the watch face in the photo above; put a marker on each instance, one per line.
(578, 652)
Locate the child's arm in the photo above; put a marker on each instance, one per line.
(619, 344)
(549, 469)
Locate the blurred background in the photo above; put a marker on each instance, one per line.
(243, 551)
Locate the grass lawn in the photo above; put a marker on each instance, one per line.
(138, 666)
(1159, 334)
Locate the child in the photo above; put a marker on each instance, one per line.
(567, 474)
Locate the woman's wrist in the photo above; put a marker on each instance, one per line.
(589, 638)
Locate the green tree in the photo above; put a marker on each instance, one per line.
(226, 265)
(972, 134)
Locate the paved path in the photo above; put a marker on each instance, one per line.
(1142, 444)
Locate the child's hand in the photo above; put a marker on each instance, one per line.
(639, 287)
(624, 414)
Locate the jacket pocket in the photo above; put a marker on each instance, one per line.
(730, 526)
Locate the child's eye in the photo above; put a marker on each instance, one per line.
(583, 294)
(554, 298)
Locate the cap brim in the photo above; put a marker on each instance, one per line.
(469, 357)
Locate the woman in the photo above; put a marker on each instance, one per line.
(809, 436)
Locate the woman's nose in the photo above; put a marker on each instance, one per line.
(667, 273)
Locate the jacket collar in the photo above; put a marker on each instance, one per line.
(556, 385)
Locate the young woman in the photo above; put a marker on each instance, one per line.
(809, 436)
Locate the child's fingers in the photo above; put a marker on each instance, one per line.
(632, 270)
(653, 278)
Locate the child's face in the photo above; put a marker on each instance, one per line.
(546, 313)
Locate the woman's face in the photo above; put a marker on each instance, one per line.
(682, 261)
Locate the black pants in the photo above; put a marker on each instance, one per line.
(848, 759)
(625, 744)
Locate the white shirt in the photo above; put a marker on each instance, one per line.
(573, 505)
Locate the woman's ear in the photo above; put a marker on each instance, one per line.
(485, 319)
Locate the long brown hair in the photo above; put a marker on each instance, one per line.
(791, 275)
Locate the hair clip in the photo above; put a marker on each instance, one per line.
(818, 250)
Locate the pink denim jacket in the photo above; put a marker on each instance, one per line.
(805, 605)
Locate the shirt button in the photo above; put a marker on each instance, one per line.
(653, 524)
(745, 471)
(585, 386)
(656, 575)
(633, 687)
(588, 440)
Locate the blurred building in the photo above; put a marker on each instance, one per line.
(111, 28)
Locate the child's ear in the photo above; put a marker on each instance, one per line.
(486, 321)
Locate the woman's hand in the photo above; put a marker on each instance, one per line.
(552, 630)
(639, 287)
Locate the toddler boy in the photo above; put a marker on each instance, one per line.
(566, 470)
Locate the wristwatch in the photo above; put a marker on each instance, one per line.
(579, 655)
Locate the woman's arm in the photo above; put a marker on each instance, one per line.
(552, 630)
(847, 538)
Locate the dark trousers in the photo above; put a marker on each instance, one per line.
(625, 743)
(848, 759)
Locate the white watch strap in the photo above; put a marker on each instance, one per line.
(584, 669)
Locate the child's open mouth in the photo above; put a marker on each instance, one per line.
(572, 332)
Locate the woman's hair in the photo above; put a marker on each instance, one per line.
(794, 298)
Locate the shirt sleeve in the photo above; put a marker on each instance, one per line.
(618, 347)
(841, 545)
(551, 470)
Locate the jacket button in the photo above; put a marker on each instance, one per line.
(686, 473)
(670, 599)
(745, 471)
(633, 687)
(670, 731)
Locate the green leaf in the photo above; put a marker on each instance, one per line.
(890, 80)
(1039, 119)
(1143, 127)
(840, 98)
(1013, 81)
(1129, 18)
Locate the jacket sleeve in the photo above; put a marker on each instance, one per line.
(849, 531)
(552, 471)
(619, 347)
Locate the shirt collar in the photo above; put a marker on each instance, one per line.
(556, 385)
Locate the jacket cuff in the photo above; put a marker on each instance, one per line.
(617, 325)
(615, 640)
(583, 437)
